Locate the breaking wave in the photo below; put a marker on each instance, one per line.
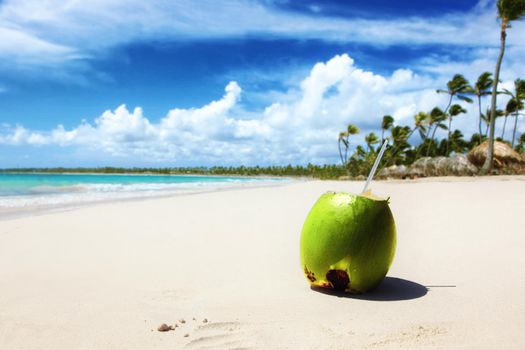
(56, 196)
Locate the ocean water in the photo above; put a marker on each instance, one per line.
(55, 190)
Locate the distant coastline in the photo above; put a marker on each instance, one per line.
(312, 171)
(13, 172)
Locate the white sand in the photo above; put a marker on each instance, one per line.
(106, 276)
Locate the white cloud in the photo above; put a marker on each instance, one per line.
(23, 48)
(301, 127)
(44, 32)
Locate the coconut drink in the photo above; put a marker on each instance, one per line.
(348, 241)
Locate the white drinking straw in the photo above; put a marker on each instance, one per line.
(376, 163)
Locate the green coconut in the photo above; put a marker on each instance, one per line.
(348, 242)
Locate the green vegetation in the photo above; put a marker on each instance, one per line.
(515, 105)
(508, 11)
(427, 123)
(482, 88)
(317, 171)
(400, 151)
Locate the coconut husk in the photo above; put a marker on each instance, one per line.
(504, 155)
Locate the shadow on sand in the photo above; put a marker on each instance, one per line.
(391, 289)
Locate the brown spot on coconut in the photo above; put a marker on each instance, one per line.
(338, 279)
(309, 274)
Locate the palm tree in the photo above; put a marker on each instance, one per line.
(454, 111)
(371, 139)
(421, 121)
(343, 139)
(437, 117)
(486, 118)
(516, 124)
(386, 124)
(516, 103)
(508, 11)
(400, 135)
(480, 89)
(457, 87)
(351, 129)
(521, 143)
(509, 109)
(457, 143)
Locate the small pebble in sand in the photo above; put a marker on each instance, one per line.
(164, 328)
(182, 320)
(193, 319)
(205, 320)
(186, 335)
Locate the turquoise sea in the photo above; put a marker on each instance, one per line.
(37, 190)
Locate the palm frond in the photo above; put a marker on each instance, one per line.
(465, 98)
(387, 122)
(511, 10)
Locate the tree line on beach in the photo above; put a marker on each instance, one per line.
(427, 123)
(327, 171)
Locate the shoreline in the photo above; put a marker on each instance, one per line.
(148, 174)
(20, 212)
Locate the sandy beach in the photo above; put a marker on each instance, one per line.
(107, 275)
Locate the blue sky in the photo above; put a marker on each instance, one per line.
(178, 83)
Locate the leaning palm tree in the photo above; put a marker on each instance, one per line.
(457, 87)
(516, 123)
(521, 144)
(371, 139)
(351, 129)
(386, 124)
(342, 141)
(510, 108)
(487, 117)
(400, 135)
(508, 11)
(480, 89)
(437, 117)
(457, 143)
(421, 121)
(454, 111)
(514, 109)
(516, 103)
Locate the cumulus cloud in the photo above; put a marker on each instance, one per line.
(301, 127)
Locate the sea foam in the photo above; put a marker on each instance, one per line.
(42, 196)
